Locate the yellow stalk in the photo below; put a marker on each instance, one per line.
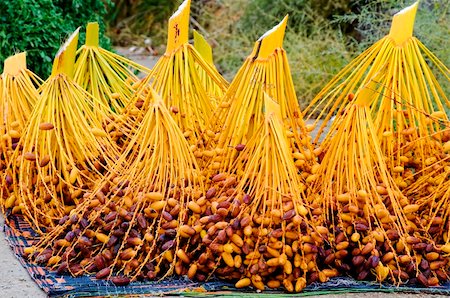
(18, 94)
(106, 75)
(176, 77)
(203, 47)
(178, 33)
(214, 90)
(403, 24)
(92, 34)
(63, 146)
(65, 58)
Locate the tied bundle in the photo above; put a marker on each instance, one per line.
(107, 76)
(241, 110)
(407, 105)
(137, 223)
(376, 232)
(260, 230)
(18, 95)
(63, 149)
(176, 78)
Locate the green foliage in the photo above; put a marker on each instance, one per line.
(303, 14)
(32, 26)
(80, 12)
(141, 18)
(315, 60)
(39, 27)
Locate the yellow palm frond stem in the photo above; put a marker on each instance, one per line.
(64, 147)
(409, 116)
(138, 221)
(18, 94)
(241, 111)
(214, 90)
(362, 204)
(176, 78)
(267, 213)
(106, 75)
(407, 102)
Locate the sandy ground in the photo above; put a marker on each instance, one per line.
(15, 281)
(138, 55)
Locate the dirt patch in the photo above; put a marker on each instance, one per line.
(14, 279)
(139, 55)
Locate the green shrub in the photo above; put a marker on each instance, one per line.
(39, 27)
(135, 20)
(314, 60)
(304, 15)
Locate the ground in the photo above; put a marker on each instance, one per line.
(139, 55)
(14, 279)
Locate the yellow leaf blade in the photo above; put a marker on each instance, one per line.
(92, 34)
(179, 27)
(65, 58)
(403, 24)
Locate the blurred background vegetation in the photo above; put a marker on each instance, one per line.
(322, 35)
